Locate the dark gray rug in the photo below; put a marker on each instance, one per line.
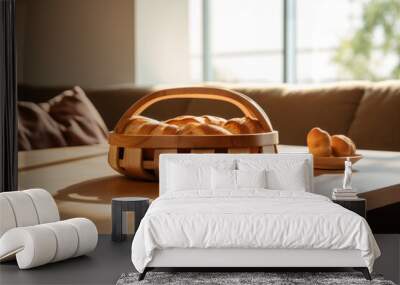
(269, 278)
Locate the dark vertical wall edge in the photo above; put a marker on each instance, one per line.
(8, 98)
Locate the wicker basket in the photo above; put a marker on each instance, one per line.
(137, 156)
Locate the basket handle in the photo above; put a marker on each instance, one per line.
(244, 103)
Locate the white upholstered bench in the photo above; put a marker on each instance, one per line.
(31, 230)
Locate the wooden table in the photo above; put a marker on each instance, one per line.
(83, 184)
(377, 173)
(377, 179)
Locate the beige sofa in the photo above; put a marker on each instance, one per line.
(367, 112)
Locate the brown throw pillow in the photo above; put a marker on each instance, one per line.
(67, 119)
(36, 129)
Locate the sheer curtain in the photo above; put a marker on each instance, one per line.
(8, 98)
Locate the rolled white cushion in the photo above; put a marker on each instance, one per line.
(33, 246)
(45, 205)
(7, 218)
(23, 208)
(26, 208)
(41, 244)
(87, 234)
(67, 240)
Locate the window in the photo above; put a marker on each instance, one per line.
(244, 40)
(302, 41)
(319, 35)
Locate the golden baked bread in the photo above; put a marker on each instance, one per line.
(342, 146)
(191, 125)
(214, 120)
(165, 129)
(139, 125)
(202, 129)
(181, 121)
(245, 125)
(136, 122)
(319, 142)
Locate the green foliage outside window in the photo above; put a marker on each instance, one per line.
(355, 55)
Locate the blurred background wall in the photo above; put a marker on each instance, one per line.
(88, 43)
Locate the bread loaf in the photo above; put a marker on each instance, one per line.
(182, 121)
(202, 129)
(342, 146)
(136, 122)
(319, 142)
(213, 120)
(245, 125)
(191, 125)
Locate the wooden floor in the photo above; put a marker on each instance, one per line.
(103, 266)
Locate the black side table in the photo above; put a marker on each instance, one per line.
(358, 205)
(119, 205)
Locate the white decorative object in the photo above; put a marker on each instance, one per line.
(31, 232)
(347, 174)
(346, 192)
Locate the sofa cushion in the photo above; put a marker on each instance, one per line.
(377, 121)
(67, 119)
(294, 110)
(36, 128)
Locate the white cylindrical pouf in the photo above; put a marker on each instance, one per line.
(23, 208)
(41, 244)
(7, 218)
(34, 245)
(67, 240)
(87, 233)
(46, 207)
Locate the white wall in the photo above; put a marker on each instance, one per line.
(76, 42)
(162, 42)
